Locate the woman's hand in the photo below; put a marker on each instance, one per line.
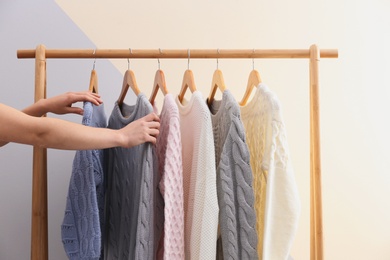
(145, 129)
(62, 104)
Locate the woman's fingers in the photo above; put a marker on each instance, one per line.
(154, 132)
(151, 117)
(86, 96)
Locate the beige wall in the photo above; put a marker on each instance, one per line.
(354, 90)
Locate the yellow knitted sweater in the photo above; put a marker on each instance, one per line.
(277, 203)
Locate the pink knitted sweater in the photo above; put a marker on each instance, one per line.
(171, 185)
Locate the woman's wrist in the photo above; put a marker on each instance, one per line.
(42, 106)
(37, 109)
(120, 138)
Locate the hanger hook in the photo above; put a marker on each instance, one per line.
(94, 62)
(217, 58)
(158, 59)
(253, 60)
(188, 65)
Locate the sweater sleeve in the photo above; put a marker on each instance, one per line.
(81, 234)
(204, 230)
(171, 186)
(236, 198)
(282, 201)
(145, 227)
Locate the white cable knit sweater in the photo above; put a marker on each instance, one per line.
(199, 179)
(277, 202)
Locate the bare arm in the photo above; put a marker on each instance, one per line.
(61, 104)
(21, 128)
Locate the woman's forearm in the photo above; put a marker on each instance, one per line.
(60, 134)
(37, 109)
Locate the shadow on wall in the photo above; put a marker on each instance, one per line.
(24, 25)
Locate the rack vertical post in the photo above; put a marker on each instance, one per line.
(316, 232)
(39, 229)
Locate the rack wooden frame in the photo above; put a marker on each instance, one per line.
(39, 218)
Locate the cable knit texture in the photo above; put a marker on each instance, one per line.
(237, 217)
(171, 185)
(199, 179)
(276, 196)
(134, 209)
(82, 225)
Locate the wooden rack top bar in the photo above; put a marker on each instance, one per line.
(176, 54)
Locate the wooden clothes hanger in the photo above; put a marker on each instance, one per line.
(93, 82)
(128, 81)
(217, 83)
(253, 81)
(188, 81)
(159, 83)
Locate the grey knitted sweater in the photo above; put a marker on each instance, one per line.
(237, 218)
(134, 205)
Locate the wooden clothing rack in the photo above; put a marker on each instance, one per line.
(39, 225)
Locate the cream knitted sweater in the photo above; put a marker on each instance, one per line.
(276, 196)
(199, 179)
